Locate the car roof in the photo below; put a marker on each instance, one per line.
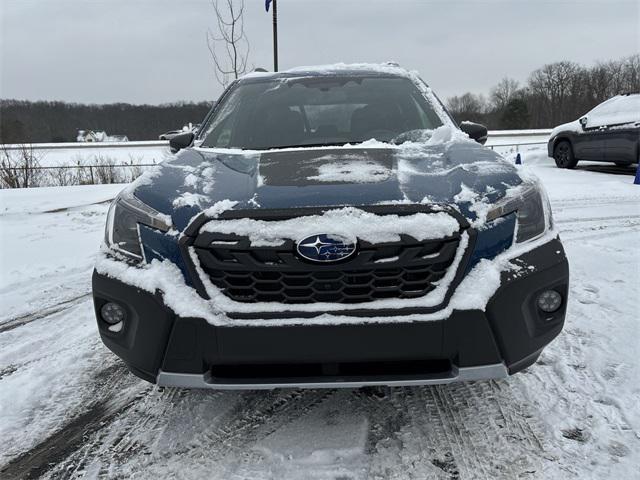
(388, 69)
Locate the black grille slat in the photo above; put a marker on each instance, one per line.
(404, 269)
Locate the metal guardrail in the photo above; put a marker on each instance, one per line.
(61, 167)
(85, 145)
(538, 132)
(517, 145)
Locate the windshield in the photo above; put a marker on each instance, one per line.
(315, 111)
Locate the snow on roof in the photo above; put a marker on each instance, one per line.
(388, 68)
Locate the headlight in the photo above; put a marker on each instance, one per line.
(125, 213)
(532, 209)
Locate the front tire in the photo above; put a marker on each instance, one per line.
(563, 155)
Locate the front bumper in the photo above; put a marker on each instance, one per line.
(469, 345)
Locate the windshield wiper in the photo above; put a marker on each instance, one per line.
(311, 145)
(305, 145)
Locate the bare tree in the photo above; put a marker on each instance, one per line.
(467, 107)
(19, 168)
(228, 45)
(504, 92)
(631, 73)
(64, 176)
(558, 92)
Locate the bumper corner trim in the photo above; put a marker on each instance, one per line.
(204, 381)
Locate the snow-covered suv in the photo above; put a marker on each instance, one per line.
(330, 226)
(608, 133)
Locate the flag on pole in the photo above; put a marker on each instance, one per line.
(267, 3)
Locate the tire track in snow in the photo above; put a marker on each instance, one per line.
(596, 219)
(606, 232)
(43, 313)
(52, 451)
(586, 396)
(459, 431)
(223, 445)
(122, 438)
(248, 426)
(579, 228)
(582, 202)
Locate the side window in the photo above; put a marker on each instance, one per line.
(594, 117)
(218, 131)
(615, 111)
(221, 134)
(425, 121)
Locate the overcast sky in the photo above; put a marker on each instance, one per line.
(154, 51)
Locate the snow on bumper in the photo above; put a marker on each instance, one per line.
(477, 339)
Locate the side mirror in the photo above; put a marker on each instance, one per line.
(583, 121)
(475, 131)
(181, 141)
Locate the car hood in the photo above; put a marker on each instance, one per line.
(566, 127)
(457, 173)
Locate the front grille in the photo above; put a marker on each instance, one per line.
(405, 269)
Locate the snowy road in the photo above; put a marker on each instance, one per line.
(69, 409)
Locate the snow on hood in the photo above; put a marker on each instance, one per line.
(566, 127)
(434, 171)
(349, 221)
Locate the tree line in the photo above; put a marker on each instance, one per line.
(554, 94)
(40, 122)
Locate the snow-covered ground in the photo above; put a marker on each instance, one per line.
(69, 409)
(54, 155)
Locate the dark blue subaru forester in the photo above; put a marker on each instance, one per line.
(330, 227)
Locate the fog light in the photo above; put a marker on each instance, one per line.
(112, 313)
(549, 301)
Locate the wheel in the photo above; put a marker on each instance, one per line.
(563, 155)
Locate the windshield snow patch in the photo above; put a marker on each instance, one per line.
(349, 170)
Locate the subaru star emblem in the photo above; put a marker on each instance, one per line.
(325, 247)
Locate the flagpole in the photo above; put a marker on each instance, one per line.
(275, 35)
